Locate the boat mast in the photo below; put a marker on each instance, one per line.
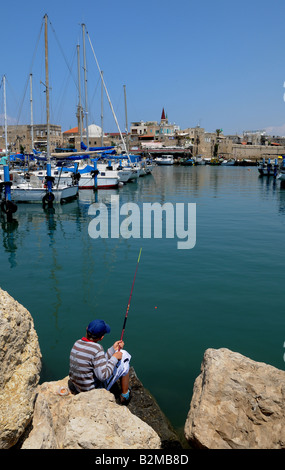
(126, 115)
(7, 206)
(47, 91)
(5, 119)
(48, 177)
(31, 103)
(85, 86)
(32, 119)
(79, 95)
(102, 111)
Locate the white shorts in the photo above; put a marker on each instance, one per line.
(121, 368)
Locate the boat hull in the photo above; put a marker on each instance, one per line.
(266, 172)
(164, 162)
(281, 176)
(86, 180)
(36, 195)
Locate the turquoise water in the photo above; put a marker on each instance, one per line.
(228, 291)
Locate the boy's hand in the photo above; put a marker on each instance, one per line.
(118, 345)
(118, 355)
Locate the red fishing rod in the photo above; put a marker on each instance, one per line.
(129, 303)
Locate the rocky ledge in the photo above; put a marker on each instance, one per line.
(237, 403)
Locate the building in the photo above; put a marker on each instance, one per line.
(23, 138)
(150, 131)
(72, 139)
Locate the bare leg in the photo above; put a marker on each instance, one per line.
(125, 383)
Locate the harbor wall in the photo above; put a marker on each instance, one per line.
(251, 152)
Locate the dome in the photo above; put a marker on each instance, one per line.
(94, 131)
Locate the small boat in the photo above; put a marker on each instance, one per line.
(165, 160)
(281, 173)
(123, 174)
(214, 161)
(188, 162)
(35, 191)
(267, 169)
(230, 162)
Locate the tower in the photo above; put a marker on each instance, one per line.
(163, 119)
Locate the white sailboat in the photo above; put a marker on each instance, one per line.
(33, 189)
(65, 176)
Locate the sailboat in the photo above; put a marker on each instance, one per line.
(85, 177)
(7, 206)
(33, 189)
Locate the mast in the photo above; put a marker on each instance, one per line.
(31, 104)
(5, 118)
(79, 95)
(49, 179)
(126, 115)
(85, 86)
(102, 113)
(47, 90)
(7, 206)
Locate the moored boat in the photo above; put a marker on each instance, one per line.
(281, 173)
(35, 191)
(86, 177)
(165, 160)
(230, 162)
(268, 169)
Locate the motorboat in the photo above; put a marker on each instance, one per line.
(268, 169)
(281, 173)
(230, 162)
(165, 160)
(34, 190)
(188, 162)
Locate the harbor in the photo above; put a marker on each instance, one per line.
(218, 294)
(201, 210)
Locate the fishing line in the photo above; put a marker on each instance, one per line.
(129, 302)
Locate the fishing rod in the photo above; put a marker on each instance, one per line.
(126, 315)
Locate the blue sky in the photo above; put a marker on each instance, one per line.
(218, 64)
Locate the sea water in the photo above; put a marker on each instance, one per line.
(225, 292)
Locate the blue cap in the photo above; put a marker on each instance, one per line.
(98, 328)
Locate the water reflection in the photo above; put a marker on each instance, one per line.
(9, 230)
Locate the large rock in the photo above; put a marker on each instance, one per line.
(237, 403)
(145, 407)
(20, 365)
(89, 420)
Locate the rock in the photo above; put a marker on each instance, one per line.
(89, 420)
(237, 403)
(145, 407)
(20, 365)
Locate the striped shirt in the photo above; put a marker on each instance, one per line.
(89, 365)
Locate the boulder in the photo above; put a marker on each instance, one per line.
(89, 420)
(237, 403)
(20, 366)
(144, 406)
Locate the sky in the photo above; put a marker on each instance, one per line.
(220, 65)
